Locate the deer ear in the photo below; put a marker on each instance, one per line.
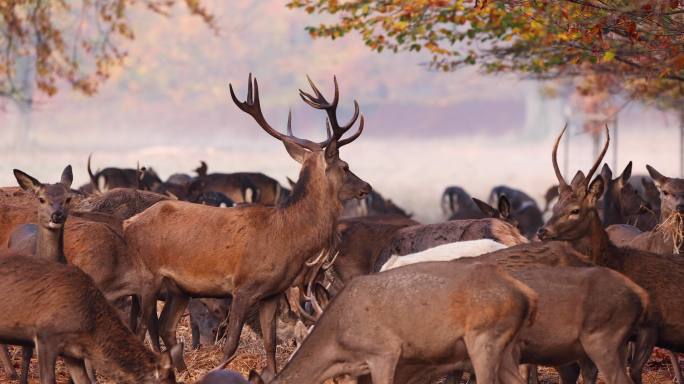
(26, 182)
(487, 209)
(656, 176)
(296, 152)
(254, 378)
(67, 177)
(578, 180)
(626, 174)
(606, 173)
(595, 190)
(504, 207)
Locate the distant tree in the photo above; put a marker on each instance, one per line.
(639, 40)
(44, 43)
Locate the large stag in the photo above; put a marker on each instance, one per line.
(576, 222)
(260, 251)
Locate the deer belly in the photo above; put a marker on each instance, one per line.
(201, 282)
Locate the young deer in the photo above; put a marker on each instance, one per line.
(467, 311)
(576, 221)
(58, 309)
(660, 239)
(622, 203)
(255, 252)
(93, 241)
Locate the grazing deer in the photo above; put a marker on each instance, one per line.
(122, 203)
(444, 252)
(576, 319)
(110, 178)
(418, 238)
(237, 186)
(667, 236)
(473, 311)
(458, 205)
(522, 207)
(58, 309)
(622, 203)
(96, 247)
(576, 222)
(373, 205)
(253, 253)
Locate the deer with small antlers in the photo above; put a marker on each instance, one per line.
(253, 253)
(576, 222)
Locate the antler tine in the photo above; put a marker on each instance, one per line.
(599, 159)
(354, 136)
(554, 159)
(319, 102)
(252, 107)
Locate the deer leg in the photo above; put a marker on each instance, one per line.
(6, 361)
(267, 320)
(168, 321)
(643, 346)
(454, 377)
(589, 371)
(148, 305)
(77, 370)
(568, 373)
(609, 356)
(134, 313)
(675, 366)
(509, 371)
(242, 301)
(383, 368)
(47, 358)
(485, 353)
(90, 370)
(26, 355)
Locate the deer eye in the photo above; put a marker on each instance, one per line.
(42, 201)
(575, 211)
(665, 193)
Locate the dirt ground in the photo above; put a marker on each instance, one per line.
(251, 356)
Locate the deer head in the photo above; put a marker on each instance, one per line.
(319, 160)
(575, 212)
(621, 200)
(671, 192)
(54, 198)
(503, 212)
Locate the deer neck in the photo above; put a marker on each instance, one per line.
(313, 209)
(311, 361)
(50, 244)
(595, 242)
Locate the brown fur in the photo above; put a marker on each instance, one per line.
(59, 308)
(418, 238)
(362, 241)
(477, 307)
(657, 240)
(122, 203)
(253, 253)
(576, 221)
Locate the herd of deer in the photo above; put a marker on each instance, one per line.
(369, 294)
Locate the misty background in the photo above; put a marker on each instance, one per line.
(169, 108)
